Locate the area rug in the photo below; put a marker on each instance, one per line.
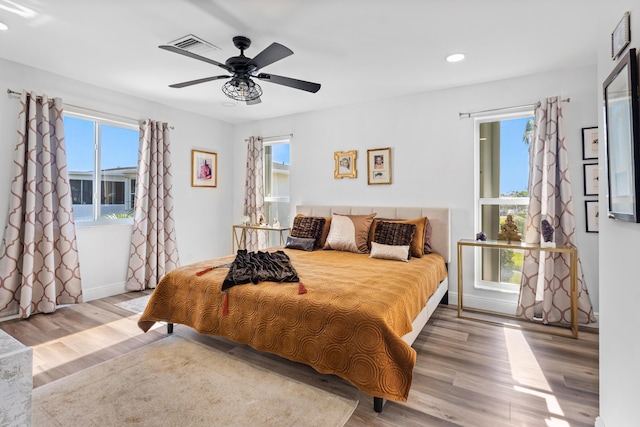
(178, 382)
(134, 305)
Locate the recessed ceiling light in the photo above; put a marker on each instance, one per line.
(456, 57)
(3, 26)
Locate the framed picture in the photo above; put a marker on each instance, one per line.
(620, 37)
(345, 164)
(591, 208)
(204, 169)
(379, 166)
(591, 179)
(589, 143)
(622, 139)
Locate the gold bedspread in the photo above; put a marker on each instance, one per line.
(349, 323)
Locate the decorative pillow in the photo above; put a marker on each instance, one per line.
(394, 233)
(393, 252)
(349, 233)
(427, 238)
(308, 227)
(418, 244)
(302, 243)
(325, 230)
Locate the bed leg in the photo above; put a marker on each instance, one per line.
(445, 298)
(169, 328)
(377, 404)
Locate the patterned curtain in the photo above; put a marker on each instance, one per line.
(546, 284)
(153, 242)
(39, 267)
(254, 193)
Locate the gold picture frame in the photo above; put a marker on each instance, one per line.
(345, 164)
(379, 166)
(204, 169)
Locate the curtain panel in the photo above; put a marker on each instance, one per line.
(39, 265)
(153, 242)
(546, 285)
(254, 192)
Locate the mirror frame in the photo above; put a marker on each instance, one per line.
(622, 139)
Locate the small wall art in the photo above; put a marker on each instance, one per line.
(345, 164)
(591, 179)
(591, 208)
(204, 169)
(589, 143)
(620, 37)
(379, 166)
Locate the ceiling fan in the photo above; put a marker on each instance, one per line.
(241, 87)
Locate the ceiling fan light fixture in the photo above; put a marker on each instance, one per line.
(242, 90)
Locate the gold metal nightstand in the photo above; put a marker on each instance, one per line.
(240, 241)
(573, 267)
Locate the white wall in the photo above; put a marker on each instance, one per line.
(432, 152)
(619, 249)
(202, 215)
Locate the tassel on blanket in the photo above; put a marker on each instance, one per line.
(206, 270)
(225, 305)
(301, 289)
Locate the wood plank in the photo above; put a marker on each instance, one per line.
(467, 373)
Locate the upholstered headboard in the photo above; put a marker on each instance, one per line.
(440, 219)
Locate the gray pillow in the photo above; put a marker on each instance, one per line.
(302, 243)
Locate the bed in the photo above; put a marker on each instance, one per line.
(349, 314)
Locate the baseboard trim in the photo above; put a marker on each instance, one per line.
(488, 304)
(103, 291)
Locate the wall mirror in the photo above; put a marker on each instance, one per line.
(622, 139)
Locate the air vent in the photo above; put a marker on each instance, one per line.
(193, 44)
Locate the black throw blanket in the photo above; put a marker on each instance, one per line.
(257, 267)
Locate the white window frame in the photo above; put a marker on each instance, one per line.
(267, 142)
(274, 237)
(109, 120)
(479, 283)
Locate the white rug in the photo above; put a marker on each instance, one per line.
(178, 382)
(135, 305)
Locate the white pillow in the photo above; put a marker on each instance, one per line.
(349, 233)
(397, 253)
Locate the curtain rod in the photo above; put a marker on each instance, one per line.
(535, 105)
(13, 92)
(288, 135)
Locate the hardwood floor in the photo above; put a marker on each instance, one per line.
(467, 373)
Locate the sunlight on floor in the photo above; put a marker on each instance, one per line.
(524, 366)
(66, 349)
(526, 371)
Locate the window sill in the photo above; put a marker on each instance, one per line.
(498, 287)
(105, 223)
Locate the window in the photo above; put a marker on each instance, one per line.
(503, 147)
(276, 183)
(102, 159)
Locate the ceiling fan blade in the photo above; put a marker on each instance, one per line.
(254, 101)
(195, 82)
(274, 52)
(194, 56)
(287, 81)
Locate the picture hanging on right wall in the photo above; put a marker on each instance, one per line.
(591, 179)
(590, 143)
(591, 208)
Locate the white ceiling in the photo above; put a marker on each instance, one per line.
(359, 50)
